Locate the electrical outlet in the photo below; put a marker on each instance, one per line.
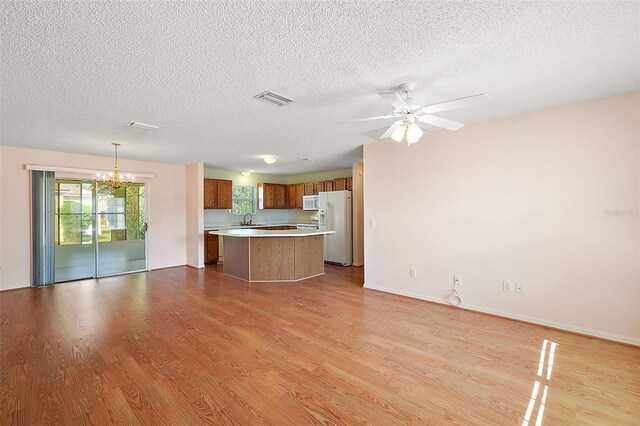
(519, 288)
(372, 223)
(457, 280)
(412, 272)
(507, 286)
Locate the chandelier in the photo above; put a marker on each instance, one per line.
(115, 179)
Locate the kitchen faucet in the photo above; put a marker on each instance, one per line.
(244, 220)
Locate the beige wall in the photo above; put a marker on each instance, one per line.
(358, 214)
(167, 237)
(549, 199)
(195, 215)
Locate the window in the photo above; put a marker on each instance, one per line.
(74, 212)
(243, 200)
(121, 213)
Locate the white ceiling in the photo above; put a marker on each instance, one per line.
(73, 74)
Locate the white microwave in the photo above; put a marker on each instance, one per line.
(310, 202)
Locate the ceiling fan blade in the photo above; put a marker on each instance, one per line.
(367, 119)
(456, 103)
(395, 100)
(394, 126)
(440, 122)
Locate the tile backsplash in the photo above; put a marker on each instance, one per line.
(222, 218)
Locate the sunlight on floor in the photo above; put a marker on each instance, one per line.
(536, 385)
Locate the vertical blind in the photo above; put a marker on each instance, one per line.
(42, 226)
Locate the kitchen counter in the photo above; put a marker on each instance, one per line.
(269, 233)
(260, 225)
(273, 255)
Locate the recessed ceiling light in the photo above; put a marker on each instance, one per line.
(270, 159)
(312, 160)
(246, 172)
(145, 126)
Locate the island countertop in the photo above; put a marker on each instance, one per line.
(269, 232)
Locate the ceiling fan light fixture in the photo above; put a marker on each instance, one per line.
(398, 134)
(270, 159)
(414, 133)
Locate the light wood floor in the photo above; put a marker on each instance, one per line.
(182, 346)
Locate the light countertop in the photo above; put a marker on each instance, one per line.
(260, 225)
(270, 233)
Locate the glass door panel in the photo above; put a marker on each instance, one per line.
(121, 229)
(75, 250)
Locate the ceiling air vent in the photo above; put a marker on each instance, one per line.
(273, 98)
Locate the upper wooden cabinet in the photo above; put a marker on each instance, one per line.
(272, 196)
(328, 185)
(295, 192)
(309, 188)
(217, 193)
(350, 183)
(318, 187)
(340, 184)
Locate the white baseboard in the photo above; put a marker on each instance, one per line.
(525, 318)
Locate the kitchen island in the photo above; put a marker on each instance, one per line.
(273, 255)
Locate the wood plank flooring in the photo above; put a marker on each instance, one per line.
(185, 346)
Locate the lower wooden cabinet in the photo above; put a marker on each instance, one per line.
(210, 249)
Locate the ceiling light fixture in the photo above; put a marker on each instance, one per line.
(408, 128)
(144, 126)
(115, 179)
(246, 172)
(311, 160)
(270, 159)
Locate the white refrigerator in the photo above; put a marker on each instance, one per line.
(335, 215)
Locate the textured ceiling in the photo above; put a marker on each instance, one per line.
(74, 73)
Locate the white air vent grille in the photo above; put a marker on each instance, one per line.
(273, 98)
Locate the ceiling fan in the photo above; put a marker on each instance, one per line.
(408, 113)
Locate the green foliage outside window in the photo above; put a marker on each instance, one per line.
(75, 222)
(243, 200)
(120, 212)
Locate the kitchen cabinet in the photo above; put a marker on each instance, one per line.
(310, 188)
(327, 185)
(295, 193)
(272, 196)
(350, 183)
(217, 193)
(318, 187)
(210, 249)
(340, 184)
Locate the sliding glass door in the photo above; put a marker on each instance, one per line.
(75, 249)
(121, 229)
(98, 230)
